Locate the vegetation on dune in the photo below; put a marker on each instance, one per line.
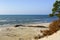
(55, 25)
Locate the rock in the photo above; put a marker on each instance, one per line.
(18, 25)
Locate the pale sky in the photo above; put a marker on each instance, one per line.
(18, 7)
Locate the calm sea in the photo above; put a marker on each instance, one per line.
(22, 19)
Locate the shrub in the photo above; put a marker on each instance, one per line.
(54, 26)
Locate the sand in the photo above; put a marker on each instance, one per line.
(26, 33)
(55, 36)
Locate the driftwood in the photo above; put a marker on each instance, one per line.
(30, 26)
(38, 26)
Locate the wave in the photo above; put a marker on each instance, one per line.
(6, 20)
(36, 19)
(3, 20)
(7, 25)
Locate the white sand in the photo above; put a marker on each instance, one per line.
(21, 33)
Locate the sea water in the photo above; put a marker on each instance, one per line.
(22, 19)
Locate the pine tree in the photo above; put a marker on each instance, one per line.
(56, 9)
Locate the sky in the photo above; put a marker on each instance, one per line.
(26, 7)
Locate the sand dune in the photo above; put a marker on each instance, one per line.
(55, 36)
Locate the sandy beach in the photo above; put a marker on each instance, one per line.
(29, 19)
(26, 32)
(22, 33)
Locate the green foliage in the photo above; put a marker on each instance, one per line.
(58, 15)
(51, 15)
(55, 4)
(56, 8)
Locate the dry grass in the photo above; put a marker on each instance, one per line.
(53, 27)
(46, 32)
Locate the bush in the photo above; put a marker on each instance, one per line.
(53, 27)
